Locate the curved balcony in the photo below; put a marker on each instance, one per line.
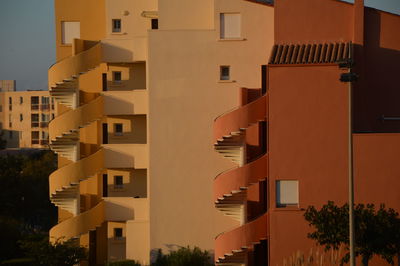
(76, 118)
(239, 119)
(231, 188)
(64, 181)
(238, 179)
(64, 129)
(232, 247)
(110, 209)
(63, 75)
(71, 174)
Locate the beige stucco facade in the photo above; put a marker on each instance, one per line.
(24, 117)
(136, 105)
(185, 96)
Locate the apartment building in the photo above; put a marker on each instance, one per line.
(290, 139)
(137, 84)
(25, 116)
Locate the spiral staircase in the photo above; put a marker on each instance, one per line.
(233, 131)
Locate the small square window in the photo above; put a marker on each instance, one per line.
(118, 233)
(118, 129)
(118, 182)
(230, 25)
(70, 30)
(117, 76)
(224, 73)
(154, 23)
(287, 193)
(116, 25)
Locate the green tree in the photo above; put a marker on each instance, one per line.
(376, 231)
(184, 257)
(61, 253)
(24, 204)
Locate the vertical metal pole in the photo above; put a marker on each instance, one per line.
(351, 171)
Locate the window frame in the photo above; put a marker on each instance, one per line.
(278, 193)
(223, 26)
(115, 21)
(117, 184)
(117, 74)
(223, 77)
(120, 234)
(116, 132)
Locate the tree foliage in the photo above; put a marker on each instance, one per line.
(185, 256)
(377, 232)
(25, 208)
(61, 253)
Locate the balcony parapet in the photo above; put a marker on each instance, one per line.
(110, 209)
(241, 238)
(240, 118)
(71, 67)
(125, 102)
(240, 177)
(111, 156)
(74, 119)
(119, 50)
(75, 172)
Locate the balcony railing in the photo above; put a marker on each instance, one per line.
(45, 107)
(44, 124)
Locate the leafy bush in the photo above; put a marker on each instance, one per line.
(184, 257)
(61, 253)
(124, 263)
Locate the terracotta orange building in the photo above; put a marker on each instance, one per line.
(290, 137)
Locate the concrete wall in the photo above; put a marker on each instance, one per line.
(185, 96)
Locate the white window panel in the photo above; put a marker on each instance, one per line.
(287, 193)
(69, 31)
(230, 26)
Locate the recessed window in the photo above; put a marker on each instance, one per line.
(230, 26)
(21, 117)
(118, 129)
(1, 108)
(154, 23)
(224, 73)
(118, 233)
(117, 76)
(116, 25)
(34, 120)
(21, 100)
(70, 30)
(287, 193)
(118, 182)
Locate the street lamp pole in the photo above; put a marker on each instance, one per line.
(349, 78)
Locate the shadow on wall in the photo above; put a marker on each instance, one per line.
(113, 53)
(377, 92)
(10, 139)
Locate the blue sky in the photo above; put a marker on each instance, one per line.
(27, 46)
